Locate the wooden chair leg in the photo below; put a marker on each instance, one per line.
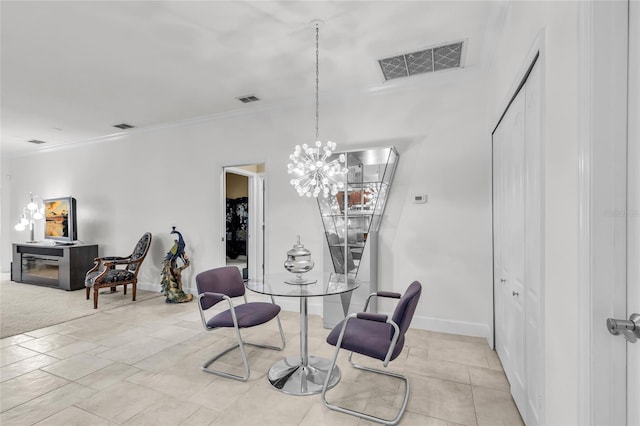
(133, 291)
(88, 292)
(125, 289)
(95, 297)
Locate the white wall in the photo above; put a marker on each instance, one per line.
(556, 25)
(151, 180)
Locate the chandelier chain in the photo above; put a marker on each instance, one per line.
(315, 168)
(317, 82)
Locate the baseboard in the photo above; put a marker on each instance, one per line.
(314, 304)
(314, 307)
(155, 287)
(452, 326)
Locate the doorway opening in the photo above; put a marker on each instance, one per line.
(243, 219)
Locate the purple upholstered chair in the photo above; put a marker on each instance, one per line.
(225, 283)
(375, 336)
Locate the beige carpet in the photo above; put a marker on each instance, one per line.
(27, 307)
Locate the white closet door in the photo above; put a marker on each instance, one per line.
(500, 232)
(517, 171)
(533, 246)
(513, 214)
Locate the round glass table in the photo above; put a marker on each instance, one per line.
(303, 375)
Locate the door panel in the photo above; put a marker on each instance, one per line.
(509, 144)
(516, 279)
(533, 248)
(633, 211)
(499, 266)
(517, 203)
(605, 206)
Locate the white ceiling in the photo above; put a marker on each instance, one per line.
(70, 70)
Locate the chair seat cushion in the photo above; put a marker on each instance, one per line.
(370, 338)
(248, 315)
(113, 276)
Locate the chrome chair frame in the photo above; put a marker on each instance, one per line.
(394, 340)
(241, 341)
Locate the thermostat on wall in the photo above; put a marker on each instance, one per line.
(420, 199)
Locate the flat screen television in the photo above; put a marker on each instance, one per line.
(60, 220)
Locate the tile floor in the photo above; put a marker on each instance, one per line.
(140, 365)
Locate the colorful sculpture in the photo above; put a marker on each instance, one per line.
(172, 273)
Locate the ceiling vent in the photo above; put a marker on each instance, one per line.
(124, 126)
(248, 98)
(36, 141)
(423, 61)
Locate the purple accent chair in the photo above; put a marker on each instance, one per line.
(375, 336)
(225, 283)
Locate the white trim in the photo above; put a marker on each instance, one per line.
(536, 49)
(158, 288)
(222, 206)
(464, 328)
(440, 325)
(602, 112)
(292, 304)
(390, 87)
(633, 206)
(254, 257)
(585, 304)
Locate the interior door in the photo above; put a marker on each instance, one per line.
(613, 240)
(518, 267)
(500, 271)
(633, 213)
(515, 285)
(613, 112)
(534, 265)
(509, 293)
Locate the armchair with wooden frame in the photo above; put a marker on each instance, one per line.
(113, 271)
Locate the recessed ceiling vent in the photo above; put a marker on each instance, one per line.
(124, 126)
(36, 141)
(423, 61)
(248, 98)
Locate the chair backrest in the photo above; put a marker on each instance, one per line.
(226, 280)
(406, 307)
(140, 251)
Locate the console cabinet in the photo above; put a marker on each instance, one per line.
(54, 266)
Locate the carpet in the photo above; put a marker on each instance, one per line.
(27, 307)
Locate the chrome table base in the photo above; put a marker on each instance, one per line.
(305, 374)
(291, 377)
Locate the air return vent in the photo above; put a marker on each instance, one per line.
(36, 141)
(422, 61)
(124, 126)
(248, 98)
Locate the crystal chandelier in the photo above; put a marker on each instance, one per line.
(314, 169)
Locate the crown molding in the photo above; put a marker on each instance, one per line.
(417, 83)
